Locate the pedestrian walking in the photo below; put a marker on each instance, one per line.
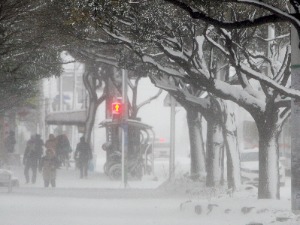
(48, 165)
(82, 156)
(32, 156)
(63, 150)
(39, 145)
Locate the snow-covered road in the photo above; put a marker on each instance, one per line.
(77, 206)
(101, 201)
(28, 210)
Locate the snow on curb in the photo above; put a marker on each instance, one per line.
(245, 210)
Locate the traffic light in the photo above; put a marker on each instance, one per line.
(116, 108)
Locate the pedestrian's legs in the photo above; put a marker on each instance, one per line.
(34, 171)
(46, 182)
(81, 166)
(85, 169)
(81, 170)
(26, 172)
(53, 183)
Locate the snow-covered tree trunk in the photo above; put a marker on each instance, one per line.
(90, 80)
(89, 123)
(198, 168)
(214, 148)
(269, 184)
(232, 148)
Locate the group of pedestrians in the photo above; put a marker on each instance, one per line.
(57, 153)
(34, 160)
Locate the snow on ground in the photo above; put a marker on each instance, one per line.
(20, 210)
(99, 200)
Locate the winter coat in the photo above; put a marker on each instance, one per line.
(48, 165)
(83, 152)
(31, 154)
(63, 145)
(51, 143)
(39, 145)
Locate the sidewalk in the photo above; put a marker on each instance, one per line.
(69, 178)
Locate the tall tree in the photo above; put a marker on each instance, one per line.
(187, 57)
(25, 55)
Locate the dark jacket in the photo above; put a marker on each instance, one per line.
(83, 152)
(39, 143)
(32, 154)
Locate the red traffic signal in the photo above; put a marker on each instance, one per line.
(116, 108)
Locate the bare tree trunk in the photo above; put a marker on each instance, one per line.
(198, 168)
(215, 145)
(89, 123)
(222, 167)
(232, 148)
(269, 184)
(89, 80)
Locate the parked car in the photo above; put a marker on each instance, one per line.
(250, 167)
(7, 179)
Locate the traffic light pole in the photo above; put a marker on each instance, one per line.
(124, 128)
(172, 140)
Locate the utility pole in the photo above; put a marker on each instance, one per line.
(124, 127)
(295, 123)
(74, 103)
(172, 140)
(60, 94)
(42, 115)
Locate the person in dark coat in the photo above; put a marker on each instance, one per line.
(39, 145)
(32, 156)
(83, 154)
(63, 149)
(48, 165)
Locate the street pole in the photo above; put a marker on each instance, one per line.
(60, 94)
(74, 104)
(295, 123)
(172, 140)
(124, 128)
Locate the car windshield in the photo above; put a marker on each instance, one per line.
(249, 156)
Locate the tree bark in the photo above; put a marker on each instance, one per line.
(215, 145)
(269, 185)
(89, 80)
(232, 148)
(89, 123)
(197, 152)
